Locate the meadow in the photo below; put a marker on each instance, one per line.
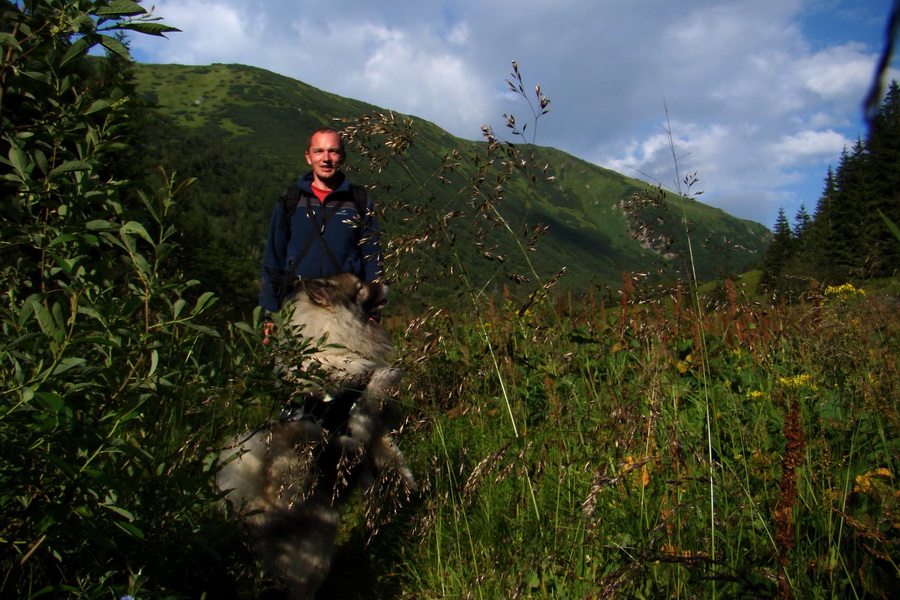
(653, 447)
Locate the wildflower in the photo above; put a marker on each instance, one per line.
(844, 292)
(632, 463)
(875, 483)
(755, 395)
(798, 381)
(127, 597)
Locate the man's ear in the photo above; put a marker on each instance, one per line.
(317, 290)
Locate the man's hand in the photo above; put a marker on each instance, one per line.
(268, 331)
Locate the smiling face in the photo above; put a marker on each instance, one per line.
(326, 156)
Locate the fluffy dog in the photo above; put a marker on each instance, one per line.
(287, 479)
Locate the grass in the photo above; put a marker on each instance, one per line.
(603, 489)
(564, 452)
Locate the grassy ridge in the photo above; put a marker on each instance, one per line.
(249, 110)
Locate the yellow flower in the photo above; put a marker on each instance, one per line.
(874, 482)
(844, 292)
(798, 381)
(632, 463)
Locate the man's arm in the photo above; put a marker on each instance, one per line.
(274, 259)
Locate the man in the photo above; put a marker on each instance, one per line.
(327, 226)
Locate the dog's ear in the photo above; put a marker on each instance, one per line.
(317, 290)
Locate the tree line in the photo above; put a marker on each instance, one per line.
(848, 238)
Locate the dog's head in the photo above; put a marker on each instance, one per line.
(345, 290)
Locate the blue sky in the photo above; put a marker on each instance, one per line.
(761, 95)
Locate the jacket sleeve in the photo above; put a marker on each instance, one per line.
(274, 259)
(370, 245)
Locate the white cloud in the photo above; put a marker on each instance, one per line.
(808, 145)
(837, 73)
(208, 29)
(757, 102)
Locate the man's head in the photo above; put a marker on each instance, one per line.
(325, 154)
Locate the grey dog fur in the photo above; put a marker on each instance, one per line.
(287, 480)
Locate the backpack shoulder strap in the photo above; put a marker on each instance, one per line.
(360, 198)
(288, 202)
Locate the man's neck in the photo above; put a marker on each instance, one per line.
(330, 184)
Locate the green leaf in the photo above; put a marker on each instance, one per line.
(240, 325)
(62, 239)
(163, 251)
(8, 39)
(40, 159)
(203, 329)
(183, 185)
(154, 363)
(45, 321)
(68, 363)
(157, 29)
(62, 262)
(141, 264)
(205, 300)
(37, 76)
(130, 529)
(17, 160)
(120, 8)
(115, 46)
(68, 167)
(133, 227)
(102, 225)
(96, 106)
(51, 401)
(79, 48)
(27, 395)
(83, 23)
(96, 340)
(178, 307)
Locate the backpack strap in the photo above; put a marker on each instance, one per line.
(361, 199)
(288, 201)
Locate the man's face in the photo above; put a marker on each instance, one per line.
(325, 156)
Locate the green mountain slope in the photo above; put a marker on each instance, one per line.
(251, 121)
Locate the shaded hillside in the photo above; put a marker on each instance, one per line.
(242, 131)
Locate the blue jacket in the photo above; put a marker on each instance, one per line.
(301, 247)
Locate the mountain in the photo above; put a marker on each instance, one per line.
(242, 131)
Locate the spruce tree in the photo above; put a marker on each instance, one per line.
(882, 251)
(778, 255)
(802, 227)
(843, 249)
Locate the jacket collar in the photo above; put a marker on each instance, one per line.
(305, 183)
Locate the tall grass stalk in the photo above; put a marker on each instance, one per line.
(683, 189)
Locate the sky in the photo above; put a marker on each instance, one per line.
(758, 97)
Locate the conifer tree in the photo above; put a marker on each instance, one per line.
(802, 224)
(780, 252)
(882, 252)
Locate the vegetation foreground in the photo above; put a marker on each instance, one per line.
(647, 443)
(645, 452)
